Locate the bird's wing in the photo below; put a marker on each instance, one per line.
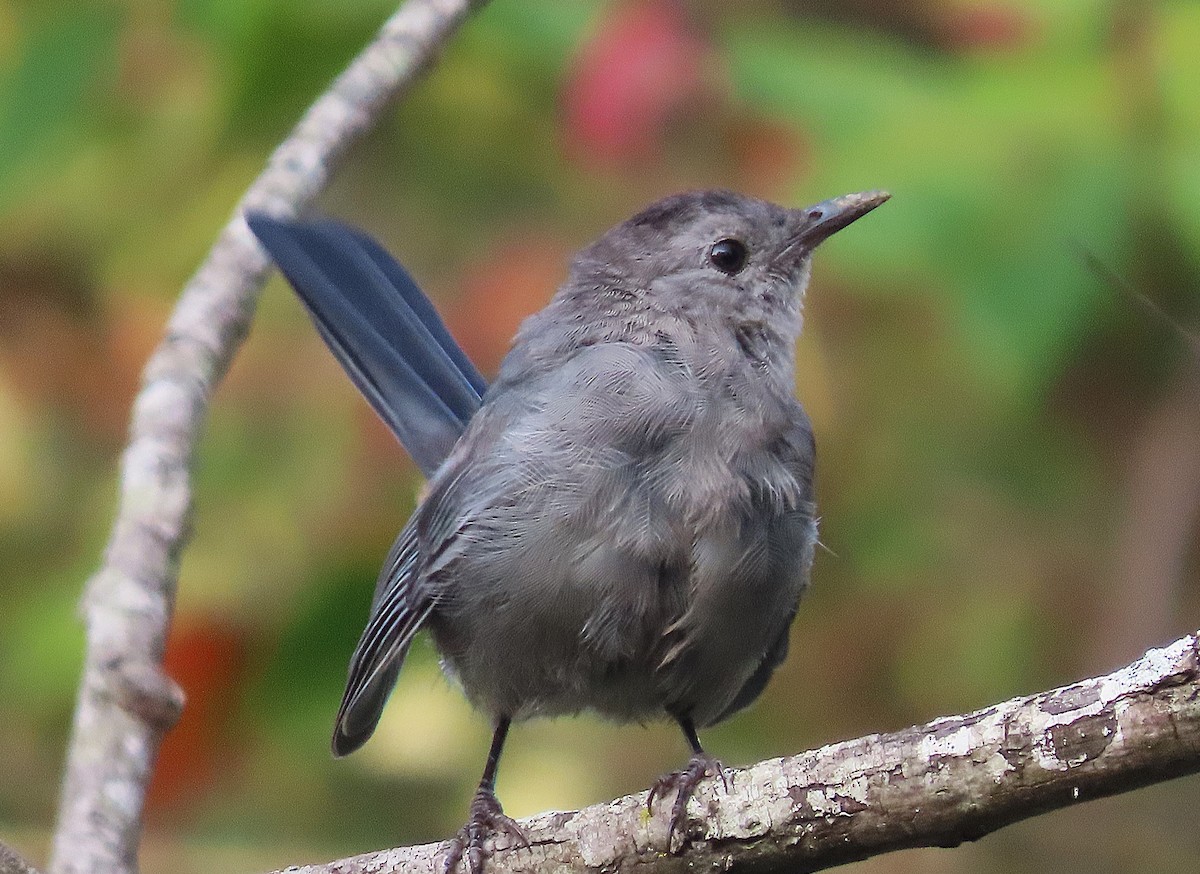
(400, 609)
(405, 595)
(382, 329)
(757, 681)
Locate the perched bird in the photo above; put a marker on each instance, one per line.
(623, 521)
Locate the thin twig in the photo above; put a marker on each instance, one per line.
(952, 780)
(125, 702)
(1140, 299)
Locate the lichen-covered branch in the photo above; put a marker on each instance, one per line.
(12, 863)
(125, 703)
(952, 780)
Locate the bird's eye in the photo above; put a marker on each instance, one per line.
(728, 256)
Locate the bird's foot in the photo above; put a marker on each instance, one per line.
(487, 818)
(683, 783)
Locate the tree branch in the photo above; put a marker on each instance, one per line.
(12, 863)
(125, 702)
(955, 779)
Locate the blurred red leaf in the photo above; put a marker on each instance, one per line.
(207, 659)
(991, 27)
(643, 63)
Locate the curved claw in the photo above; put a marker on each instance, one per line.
(487, 819)
(683, 783)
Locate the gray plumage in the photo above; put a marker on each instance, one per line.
(626, 525)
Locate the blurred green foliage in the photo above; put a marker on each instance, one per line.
(1006, 436)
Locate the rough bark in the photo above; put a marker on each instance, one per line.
(125, 702)
(12, 863)
(952, 780)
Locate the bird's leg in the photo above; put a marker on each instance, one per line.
(685, 781)
(487, 816)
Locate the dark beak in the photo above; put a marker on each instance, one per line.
(821, 220)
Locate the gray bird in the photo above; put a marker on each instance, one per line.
(623, 521)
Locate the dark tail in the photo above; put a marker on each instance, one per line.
(382, 329)
(395, 348)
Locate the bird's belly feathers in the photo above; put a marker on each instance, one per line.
(623, 601)
(634, 543)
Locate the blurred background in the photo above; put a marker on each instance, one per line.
(1001, 365)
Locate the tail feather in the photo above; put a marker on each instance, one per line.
(419, 304)
(359, 715)
(382, 329)
(397, 351)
